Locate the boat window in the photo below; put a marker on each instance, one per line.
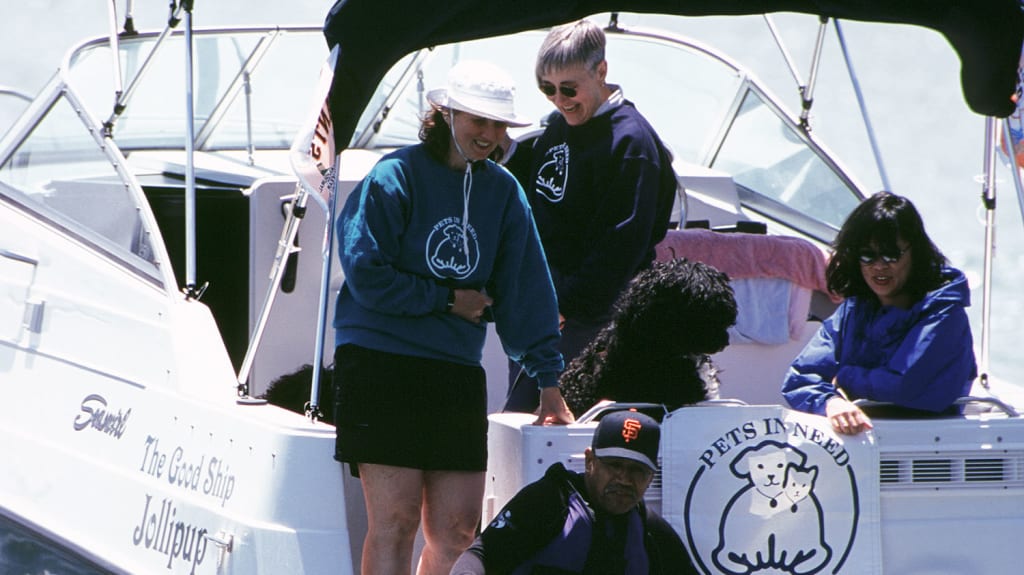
(64, 177)
(12, 104)
(392, 118)
(242, 81)
(684, 93)
(24, 550)
(770, 157)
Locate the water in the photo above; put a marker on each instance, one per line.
(931, 141)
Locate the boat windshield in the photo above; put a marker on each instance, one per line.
(251, 87)
(251, 93)
(709, 112)
(775, 166)
(61, 174)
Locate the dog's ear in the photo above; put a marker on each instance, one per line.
(741, 465)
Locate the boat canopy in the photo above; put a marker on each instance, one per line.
(373, 35)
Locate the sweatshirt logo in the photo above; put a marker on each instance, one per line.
(553, 173)
(449, 254)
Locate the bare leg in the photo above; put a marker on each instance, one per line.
(393, 498)
(451, 511)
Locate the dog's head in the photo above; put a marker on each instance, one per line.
(678, 307)
(764, 465)
(666, 322)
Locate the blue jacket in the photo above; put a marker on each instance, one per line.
(402, 246)
(921, 358)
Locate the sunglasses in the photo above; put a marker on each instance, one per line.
(868, 257)
(550, 90)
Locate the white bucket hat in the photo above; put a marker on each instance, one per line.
(479, 88)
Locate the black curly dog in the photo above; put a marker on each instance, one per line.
(655, 348)
(292, 390)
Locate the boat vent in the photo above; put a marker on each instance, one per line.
(952, 470)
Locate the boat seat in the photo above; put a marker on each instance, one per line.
(780, 289)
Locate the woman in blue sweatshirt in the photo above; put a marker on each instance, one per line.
(901, 335)
(434, 242)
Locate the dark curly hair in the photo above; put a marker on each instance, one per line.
(292, 391)
(436, 135)
(655, 348)
(881, 221)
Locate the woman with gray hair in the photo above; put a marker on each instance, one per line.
(601, 188)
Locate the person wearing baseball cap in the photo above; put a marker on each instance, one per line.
(421, 237)
(591, 522)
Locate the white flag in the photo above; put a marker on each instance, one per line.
(312, 152)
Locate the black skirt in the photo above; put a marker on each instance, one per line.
(409, 411)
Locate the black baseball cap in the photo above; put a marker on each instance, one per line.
(629, 435)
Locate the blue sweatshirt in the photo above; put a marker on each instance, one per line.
(922, 357)
(402, 247)
(602, 197)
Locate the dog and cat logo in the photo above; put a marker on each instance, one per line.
(553, 173)
(774, 497)
(451, 253)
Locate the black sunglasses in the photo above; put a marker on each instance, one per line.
(868, 257)
(550, 89)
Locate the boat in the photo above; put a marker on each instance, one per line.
(165, 257)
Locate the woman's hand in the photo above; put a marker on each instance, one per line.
(845, 417)
(470, 304)
(553, 410)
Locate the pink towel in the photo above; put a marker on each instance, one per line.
(742, 255)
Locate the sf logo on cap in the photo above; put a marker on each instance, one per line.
(631, 429)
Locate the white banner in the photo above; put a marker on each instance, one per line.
(764, 489)
(312, 152)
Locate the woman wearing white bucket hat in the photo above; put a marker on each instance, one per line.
(436, 240)
(479, 88)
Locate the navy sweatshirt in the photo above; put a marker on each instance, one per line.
(602, 197)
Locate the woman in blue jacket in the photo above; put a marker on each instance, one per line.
(434, 242)
(901, 335)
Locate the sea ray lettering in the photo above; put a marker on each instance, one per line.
(95, 414)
